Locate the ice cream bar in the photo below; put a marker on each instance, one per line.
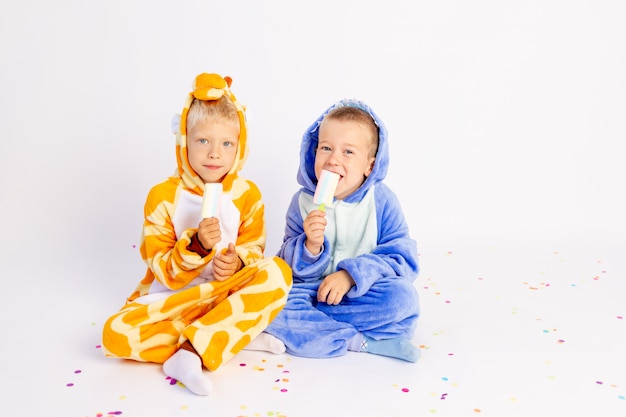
(325, 190)
(211, 199)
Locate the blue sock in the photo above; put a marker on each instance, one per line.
(398, 347)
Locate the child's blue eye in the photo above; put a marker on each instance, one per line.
(203, 141)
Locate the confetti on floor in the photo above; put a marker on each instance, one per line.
(478, 327)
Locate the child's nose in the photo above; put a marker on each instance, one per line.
(214, 152)
(333, 158)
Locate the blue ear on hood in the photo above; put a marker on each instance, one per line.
(306, 173)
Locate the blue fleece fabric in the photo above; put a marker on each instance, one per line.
(384, 303)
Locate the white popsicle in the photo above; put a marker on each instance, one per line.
(211, 199)
(325, 190)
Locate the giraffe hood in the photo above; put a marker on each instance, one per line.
(208, 87)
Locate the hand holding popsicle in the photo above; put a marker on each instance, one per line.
(315, 222)
(209, 232)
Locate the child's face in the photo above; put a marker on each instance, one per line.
(212, 148)
(345, 148)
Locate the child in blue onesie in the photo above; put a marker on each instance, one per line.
(354, 262)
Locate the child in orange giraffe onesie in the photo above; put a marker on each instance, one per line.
(208, 291)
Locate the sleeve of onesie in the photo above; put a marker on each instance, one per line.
(396, 252)
(251, 237)
(169, 259)
(304, 265)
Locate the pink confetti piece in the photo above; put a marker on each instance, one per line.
(242, 364)
(78, 371)
(69, 384)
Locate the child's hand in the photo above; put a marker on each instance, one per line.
(226, 263)
(334, 287)
(209, 233)
(314, 225)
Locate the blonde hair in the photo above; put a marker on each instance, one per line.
(354, 114)
(222, 109)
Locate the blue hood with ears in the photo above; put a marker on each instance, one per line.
(306, 171)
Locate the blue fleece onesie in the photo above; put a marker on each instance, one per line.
(368, 237)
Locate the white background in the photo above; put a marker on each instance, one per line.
(506, 118)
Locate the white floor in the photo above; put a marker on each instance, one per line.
(505, 331)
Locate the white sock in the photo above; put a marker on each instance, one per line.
(186, 367)
(266, 342)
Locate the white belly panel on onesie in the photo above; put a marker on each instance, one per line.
(188, 215)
